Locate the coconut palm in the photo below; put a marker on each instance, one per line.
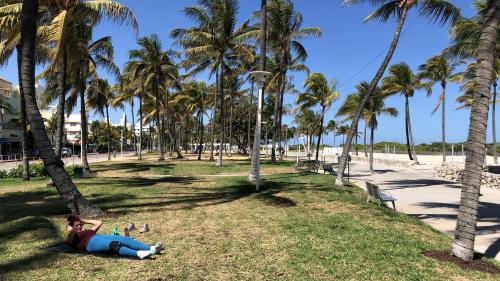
(342, 131)
(435, 10)
(89, 56)
(60, 34)
(374, 108)
(157, 67)
(285, 33)
(99, 98)
(465, 40)
(54, 166)
(463, 244)
(402, 80)
(193, 99)
(318, 92)
(439, 69)
(214, 39)
(331, 127)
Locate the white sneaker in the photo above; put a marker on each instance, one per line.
(144, 254)
(156, 249)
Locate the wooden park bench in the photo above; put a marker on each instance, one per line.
(307, 165)
(374, 193)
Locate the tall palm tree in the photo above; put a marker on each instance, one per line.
(463, 244)
(331, 127)
(157, 67)
(435, 10)
(342, 131)
(439, 69)
(89, 56)
(54, 166)
(375, 107)
(464, 43)
(318, 92)
(99, 98)
(68, 15)
(284, 36)
(402, 80)
(216, 37)
(193, 98)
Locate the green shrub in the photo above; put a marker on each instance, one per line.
(37, 170)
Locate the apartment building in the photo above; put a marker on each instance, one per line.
(10, 134)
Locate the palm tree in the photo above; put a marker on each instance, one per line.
(465, 41)
(60, 33)
(99, 97)
(285, 33)
(342, 131)
(54, 166)
(403, 81)
(375, 107)
(89, 56)
(439, 69)
(435, 10)
(216, 37)
(463, 244)
(331, 127)
(157, 67)
(318, 92)
(193, 99)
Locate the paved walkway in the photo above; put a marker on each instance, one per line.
(434, 201)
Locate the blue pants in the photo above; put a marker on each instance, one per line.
(100, 243)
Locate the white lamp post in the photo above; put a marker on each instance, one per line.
(260, 78)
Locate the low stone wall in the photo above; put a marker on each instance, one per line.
(455, 173)
(388, 162)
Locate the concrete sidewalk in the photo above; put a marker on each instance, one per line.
(434, 201)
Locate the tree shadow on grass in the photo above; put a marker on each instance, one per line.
(40, 229)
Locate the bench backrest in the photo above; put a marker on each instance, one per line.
(372, 190)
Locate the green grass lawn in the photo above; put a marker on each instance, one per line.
(215, 227)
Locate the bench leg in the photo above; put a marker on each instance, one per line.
(393, 205)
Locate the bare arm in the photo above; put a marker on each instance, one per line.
(96, 224)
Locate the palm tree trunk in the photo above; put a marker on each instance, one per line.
(372, 139)
(364, 141)
(133, 125)
(201, 135)
(356, 140)
(221, 97)
(410, 134)
(249, 147)
(140, 127)
(320, 133)
(493, 123)
(443, 128)
(54, 166)
(85, 134)
(231, 126)
(463, 244)
(279, 123)
(108, 132)
(61, 106)
(343, 160)
(158, 123)
(23, 121)
(407, 121)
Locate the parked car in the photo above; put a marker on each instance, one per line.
(66, 152)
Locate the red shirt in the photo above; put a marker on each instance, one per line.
(81, 239)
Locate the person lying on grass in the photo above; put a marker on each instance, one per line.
(89, 241)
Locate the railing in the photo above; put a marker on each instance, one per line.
(10, 157)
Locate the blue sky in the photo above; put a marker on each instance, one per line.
(349, 50)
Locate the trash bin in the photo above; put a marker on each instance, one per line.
(78, 172)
